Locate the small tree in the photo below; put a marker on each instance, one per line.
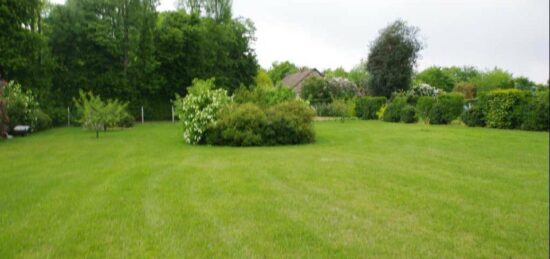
(392, 58)
(92, 110)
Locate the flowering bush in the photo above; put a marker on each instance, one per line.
(423, 89)
(199, 109)
(22, 107)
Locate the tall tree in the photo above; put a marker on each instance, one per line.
(392, 58)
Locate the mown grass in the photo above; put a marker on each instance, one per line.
(364, 189)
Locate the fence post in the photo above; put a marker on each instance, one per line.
(142, 120)
(68, 116)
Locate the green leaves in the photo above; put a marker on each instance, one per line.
(98, 115)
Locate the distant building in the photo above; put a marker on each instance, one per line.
(295, 81)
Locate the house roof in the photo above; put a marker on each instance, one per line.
(295, 79)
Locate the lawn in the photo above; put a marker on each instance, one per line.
(364, 189)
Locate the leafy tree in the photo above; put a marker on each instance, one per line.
(392, 58)
(338, 72)
(93, 112)
(316, 90)
(524, 83)
(279, 70)
(436, 77)
(263, 79)
(360, 77)
(493, 79)
(461, 74)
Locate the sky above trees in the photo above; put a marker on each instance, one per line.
(511, 34)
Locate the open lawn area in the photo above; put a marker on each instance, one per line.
(364, 189)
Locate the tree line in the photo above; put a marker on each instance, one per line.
(123, 49)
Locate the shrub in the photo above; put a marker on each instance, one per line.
(423, 89)
(424, 106)
(438, 114)
(408, 114)
(43, 120)
(467, 89)
(199, 109)
(4, 120)
(92, 111)
(536, 115)
(127, 121)
(21, 106)
(238, 125)
(316, 90)
(264, 95)
(290, 123)
(473, 117)
(453, 103)
(342, 88)
(392, 112)
(367, 107)
(503, 108)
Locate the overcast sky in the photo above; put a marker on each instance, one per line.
(510, 34)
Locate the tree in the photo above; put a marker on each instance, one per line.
(493, 79)
(435, 76)
(461, 74)
(279, 70)
(360, 77)
(392, 58)
(524, 83)
(92, 110)
(316, 90)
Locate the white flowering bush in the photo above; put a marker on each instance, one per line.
(22, 107)
(423, 89)
(199, 108)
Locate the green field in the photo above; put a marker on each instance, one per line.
(364, 189)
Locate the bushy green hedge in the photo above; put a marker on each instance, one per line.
(536, 113)
(43, 121)
(264, 96)
(367, 107)
(249, 125)
(393, 110)
(503, 108)
(408, 114)
(473, 117)
(238, 125)
(337, 108)
(441, 109)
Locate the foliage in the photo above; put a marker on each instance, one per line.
(263, 95)
(461, 74)
(199, 109)
(473, 117)
(249, 125)
(316, 90)
(92, 111)
(435, 76)
(263, 79)
(453, 104)
(467, 89)
(408, 114)
(360, 77)
(290, 123)
(423, 89)
(392, 112)
(491, 80)
(340, 87)
(43, 121)
(238, 125)
(367, 107)
(424, 106)
(503, 108)
(438, 114)
(4, 119)
(21, 106)
(278, 71)
(523, 83)
(336, 73)
(391, 59)
(536, 113)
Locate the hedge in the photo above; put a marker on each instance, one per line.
(367, 107)
(503, 108)
(536, 113)
(393, 110)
